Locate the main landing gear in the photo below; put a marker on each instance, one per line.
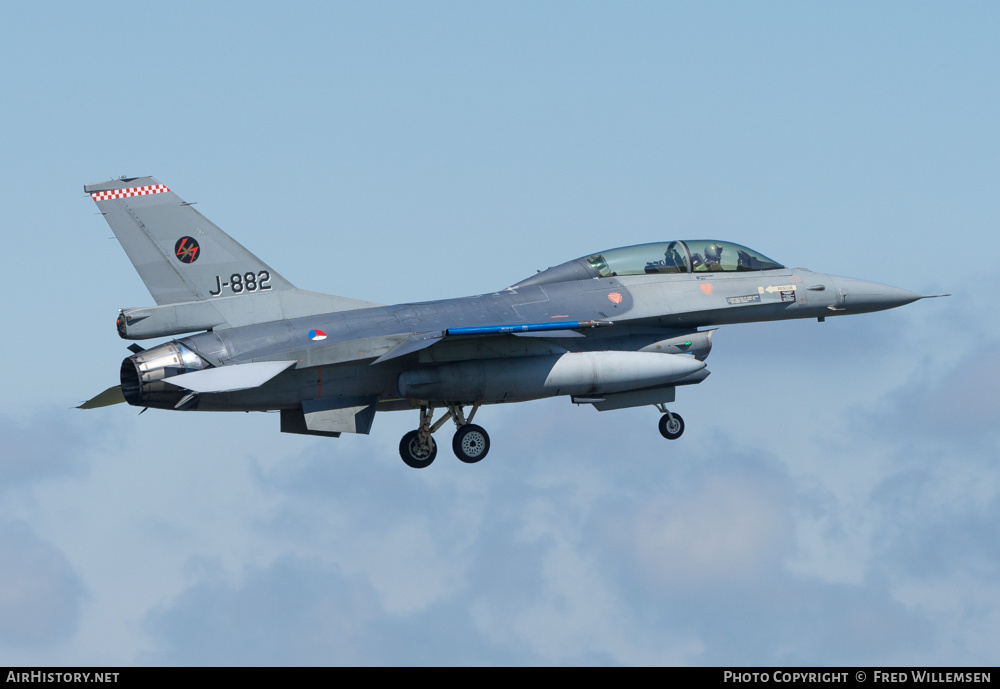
(671, 425)
(470, 444)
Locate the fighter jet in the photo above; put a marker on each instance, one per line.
(614, 329)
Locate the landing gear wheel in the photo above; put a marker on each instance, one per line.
(414, 454)
(471, 443)
(671, 426)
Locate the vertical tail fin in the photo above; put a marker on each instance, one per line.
(180, 255)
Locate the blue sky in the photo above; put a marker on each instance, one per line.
(834, 499)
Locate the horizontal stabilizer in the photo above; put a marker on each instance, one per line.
(105, 399)
(230, 378)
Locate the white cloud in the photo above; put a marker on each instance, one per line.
(730, 531)
(40, 594)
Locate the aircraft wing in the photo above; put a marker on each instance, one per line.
(420, 341)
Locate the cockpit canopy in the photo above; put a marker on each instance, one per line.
(688, 256)
(700, 255)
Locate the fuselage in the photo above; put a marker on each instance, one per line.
(645, 309)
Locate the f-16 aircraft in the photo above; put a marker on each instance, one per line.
(614, 329)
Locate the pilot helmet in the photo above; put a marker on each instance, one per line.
(713, 251)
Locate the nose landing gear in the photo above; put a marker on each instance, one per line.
(671, 425)
(471, 442)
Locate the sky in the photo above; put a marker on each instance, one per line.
(835, 497)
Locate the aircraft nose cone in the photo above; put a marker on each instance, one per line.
(860, 296)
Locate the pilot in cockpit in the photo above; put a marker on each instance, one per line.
(711, 261)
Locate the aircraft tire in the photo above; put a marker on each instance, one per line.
(409, 450)
(671, 429)
(471, 443)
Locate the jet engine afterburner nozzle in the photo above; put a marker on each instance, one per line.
(142, 375)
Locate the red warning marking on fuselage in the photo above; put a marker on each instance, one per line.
(706, 287)
(128, 193)
(615, 297)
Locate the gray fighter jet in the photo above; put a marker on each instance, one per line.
(615, 329)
